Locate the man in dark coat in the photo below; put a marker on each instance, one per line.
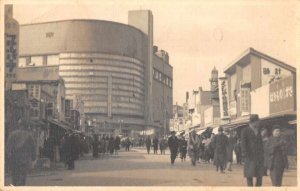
(155, 144)
(173, 145)
(111, 145)
(148, 144)
(127, 144)
(20, 152)
(252, 151)
(95, 146)
(117, 144)
(238, 151)
(72, 150)
(229, 149)
(277, 157)
(220, 142)
(182, 148)
(265, 139)
(162, 145)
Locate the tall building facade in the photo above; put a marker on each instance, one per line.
(107, 64)
(162, 90)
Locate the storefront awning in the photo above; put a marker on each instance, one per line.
(236, 124)
(59, 124)
(293, 122)
(290, 117)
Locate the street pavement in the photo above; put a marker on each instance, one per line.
(137, 168)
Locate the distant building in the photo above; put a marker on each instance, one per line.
(177, 122)
(205, 109)
(75, 113)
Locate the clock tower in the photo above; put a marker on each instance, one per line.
(214, 85)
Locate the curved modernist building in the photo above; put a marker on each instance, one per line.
(100, 61)
(110, 66)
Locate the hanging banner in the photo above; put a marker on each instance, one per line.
(223, 97)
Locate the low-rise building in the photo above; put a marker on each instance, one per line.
(46, 97)
(256, 83)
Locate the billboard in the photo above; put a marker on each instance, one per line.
(282, 96)
(223, 97)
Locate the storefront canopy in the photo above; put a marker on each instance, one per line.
(59, 124)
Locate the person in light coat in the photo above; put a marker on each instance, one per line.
(193, 147)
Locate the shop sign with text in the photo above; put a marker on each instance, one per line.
(282, 95)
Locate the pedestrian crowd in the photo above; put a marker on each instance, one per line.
(105, 145)
(261, 154)
(254, 148)
(156, 143)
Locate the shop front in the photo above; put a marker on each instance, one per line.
(275, 103)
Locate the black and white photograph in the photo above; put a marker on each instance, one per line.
(140, 93)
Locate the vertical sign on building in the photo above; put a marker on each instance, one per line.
(223, 96)
(109, 104)
(11, 46)
(245, 98)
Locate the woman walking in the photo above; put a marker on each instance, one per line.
(277, 156)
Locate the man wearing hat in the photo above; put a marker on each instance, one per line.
(252, 151)
(219, 143)
(173, 145)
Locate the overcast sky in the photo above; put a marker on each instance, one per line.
(197, 35)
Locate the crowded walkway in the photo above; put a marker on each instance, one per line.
(137, 168)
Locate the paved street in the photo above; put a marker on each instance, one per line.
(136, 168)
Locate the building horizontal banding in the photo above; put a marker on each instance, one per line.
(90, 55)
(88, 74)
(77, 37)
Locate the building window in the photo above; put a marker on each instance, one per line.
(37, 61)
(44, 60)
(34, 112)
(233, 81)
(52, 60)
(62, 104)
(22, 62)
(156, 74)
(50, 107)
(159, 76)
(245, 100)
(28, 60)
(163, 78)
(34, 91)
(67, 108)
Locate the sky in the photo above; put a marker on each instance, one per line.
(198, 35)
